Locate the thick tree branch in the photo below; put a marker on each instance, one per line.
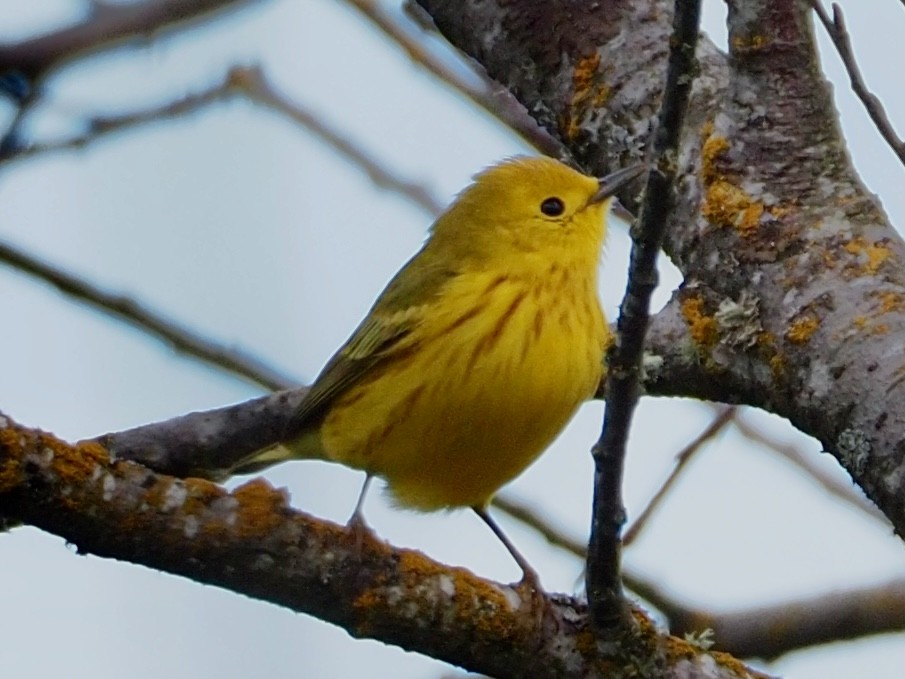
(250, 541)
(207, 444)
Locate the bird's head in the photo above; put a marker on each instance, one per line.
(531, 205)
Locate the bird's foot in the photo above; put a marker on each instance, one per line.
(541, 607)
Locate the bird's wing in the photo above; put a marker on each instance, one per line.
(395, 314)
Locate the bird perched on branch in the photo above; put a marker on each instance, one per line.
(477, 353)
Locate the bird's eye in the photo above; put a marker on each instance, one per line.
(552, 207)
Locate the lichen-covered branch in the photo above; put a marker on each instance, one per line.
(250, 541)
(763, 632)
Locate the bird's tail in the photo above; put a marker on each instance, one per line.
(306, 447)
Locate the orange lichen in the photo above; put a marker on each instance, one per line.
(801, 330)
(74, 464)
(749, 42)
(727, 205)
(777, 366)
(862, 324)
(703, 328)
(10, 475)
(891, 301)
(714, 146)
(587, 94)
(261, 509)
(766, 339)
(601, 97)
(679, 649)
(872, 254)
(421, 579)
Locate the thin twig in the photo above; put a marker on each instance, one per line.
(838, 33)
(750, 632)
(489, 95)
(725, 415)
(604, 580)
(249, 82)
(108, 25)
(101, 126)
(253, 83)
(125, 309)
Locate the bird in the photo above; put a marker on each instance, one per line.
(477, 353)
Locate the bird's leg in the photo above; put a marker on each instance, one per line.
(530, 579)
(356, 524)
(529, 575)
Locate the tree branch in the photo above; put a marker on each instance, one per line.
(842, 489)
(108, 25)
(250, 541)
(776, 629)
(765, 632)
(604, 577)
(838, 33)
(125, 309)
(489, 95)
(683, 457)
(252, 82)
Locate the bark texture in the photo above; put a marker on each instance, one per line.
(250, 541)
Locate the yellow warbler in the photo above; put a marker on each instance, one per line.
(478, 352)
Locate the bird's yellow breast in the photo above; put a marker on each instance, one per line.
(498, 366)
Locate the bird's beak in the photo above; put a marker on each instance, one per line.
(610, 184)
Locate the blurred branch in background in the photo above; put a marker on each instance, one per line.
(770, 631)
(724, 416)
(253, 84)
(848, 492)
(486, 93)
(181, 338)
(838, 33)
(764, 632)
(105, 26)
